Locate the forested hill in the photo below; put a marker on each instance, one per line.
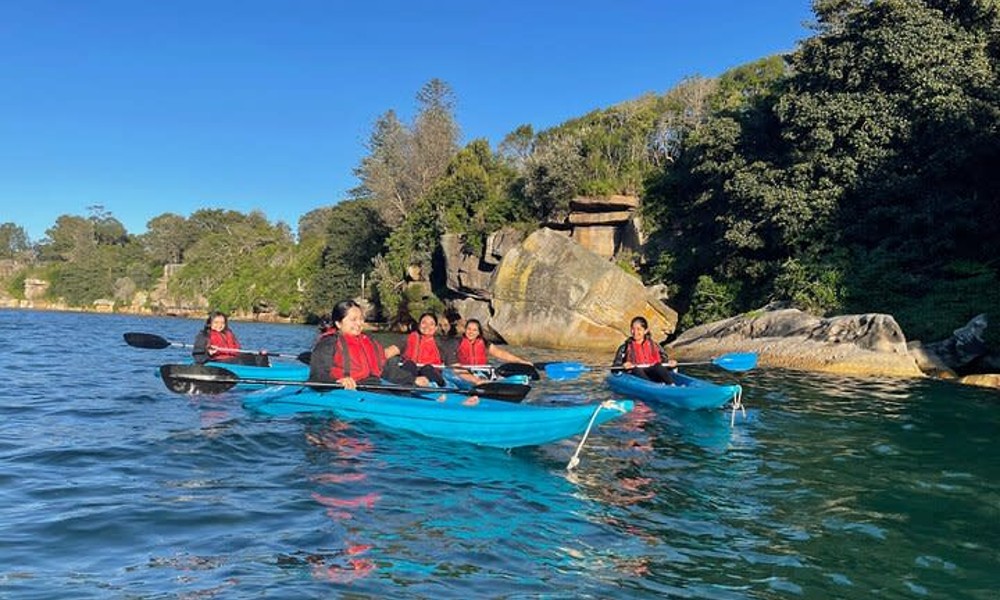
(856, 174)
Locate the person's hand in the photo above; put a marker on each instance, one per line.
(212, 350)
(262, 352)
(671, 363)
(628, 365)
(422, 381)
(348, 383)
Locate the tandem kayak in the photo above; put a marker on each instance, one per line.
(442, 415)
(277, 372)
(454, 379)
(689, 392)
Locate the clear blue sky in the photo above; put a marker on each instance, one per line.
(154, 106)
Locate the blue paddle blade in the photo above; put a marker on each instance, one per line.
(565, 370)
(736, 361)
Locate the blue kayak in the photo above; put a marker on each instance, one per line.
(689, 392)
(454, 379)
(442, 415)
(279, 372)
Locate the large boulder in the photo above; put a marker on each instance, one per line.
(867, 344)
(464, 271)
(966, 345)
(550, 292)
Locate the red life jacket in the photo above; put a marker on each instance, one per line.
(223, 339)
(472, 353)
(422, 350)
(357, 357)
(643, 353)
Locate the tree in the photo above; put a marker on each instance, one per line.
(167, 237)
(13, 240)
(404, 161)
(354, 236)
(69, 239)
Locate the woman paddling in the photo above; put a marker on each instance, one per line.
(345, 355)
(642, 357)
(216, 342)
(474, 350)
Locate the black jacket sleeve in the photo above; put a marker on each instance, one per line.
(321, 360)
(200, 351)
(620, 355)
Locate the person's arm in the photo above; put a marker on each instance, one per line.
(500, 354)
(321, 360)
(620, 356)
(665, 358)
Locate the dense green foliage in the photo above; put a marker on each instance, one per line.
(856, 174)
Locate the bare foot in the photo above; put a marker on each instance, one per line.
(471, 401)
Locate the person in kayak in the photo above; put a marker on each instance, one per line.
(423, 354)
(642, 357)
(216, 342)
(474, 350)
(344, 354)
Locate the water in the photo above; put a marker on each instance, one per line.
(113, 487)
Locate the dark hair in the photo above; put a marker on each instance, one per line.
(341, 309)
(211, 317)
(478, 324)
(640, 320)
(416, 325)
(324, 324)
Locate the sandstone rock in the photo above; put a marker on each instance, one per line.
(464, 272)
(599, 218)
(870, 344)
(604, 203)
(550, 292)
(966, 344)
(499, 243)
(602, 240)
(991, 380)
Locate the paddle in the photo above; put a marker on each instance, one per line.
(151, 341)
(509, 369)
(501, 370)
(734, 361)
(201, 379)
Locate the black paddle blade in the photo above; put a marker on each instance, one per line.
(508, 369)
(197, 379)
(146, 340)
(499, 390)
(305, 357)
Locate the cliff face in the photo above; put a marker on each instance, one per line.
(551, 292)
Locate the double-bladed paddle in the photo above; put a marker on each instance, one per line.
(151, 341)
(501, 370)
(734, 361)
(202, 379)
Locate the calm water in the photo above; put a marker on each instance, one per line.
(112, 487)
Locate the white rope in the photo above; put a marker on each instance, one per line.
(575, 460)
(737, 404)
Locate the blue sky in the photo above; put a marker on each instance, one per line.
(147, 107)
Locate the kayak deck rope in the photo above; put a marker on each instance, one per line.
(737, 405)
(608, 404)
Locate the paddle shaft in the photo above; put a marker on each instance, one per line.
(151, 341)
(216, 376)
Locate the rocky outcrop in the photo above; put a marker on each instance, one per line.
(867, 344)
(605, 225)
(966, 345)
(465, 273)
(551, 292)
